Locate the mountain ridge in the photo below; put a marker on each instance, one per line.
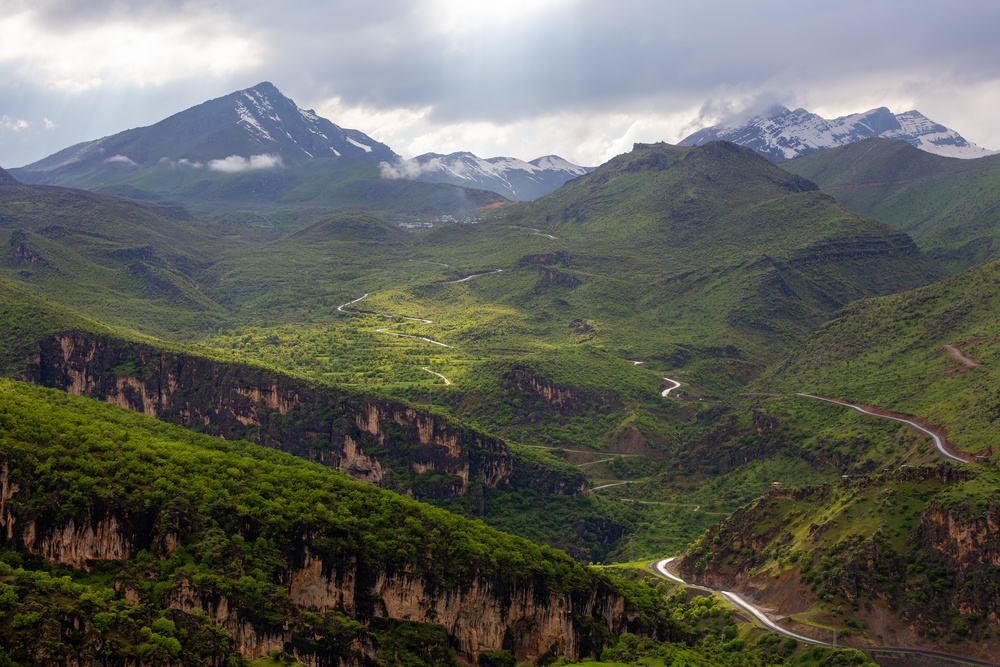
(781, 133)
(950, 206)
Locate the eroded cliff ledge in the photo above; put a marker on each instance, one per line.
(380, 441)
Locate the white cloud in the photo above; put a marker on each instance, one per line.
(49, 125)
(13, 124)
(123, 52)
(237, 163)
(122, 160)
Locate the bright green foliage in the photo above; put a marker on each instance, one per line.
(240, 513)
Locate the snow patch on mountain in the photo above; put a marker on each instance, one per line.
(253, 125)
(265, 114)
(365, 147)
(782, 133)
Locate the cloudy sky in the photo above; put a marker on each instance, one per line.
(580, 78)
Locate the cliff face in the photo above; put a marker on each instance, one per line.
(566, 401)
(374, 440)
(481, 616)
(965, 541)
(320, 595)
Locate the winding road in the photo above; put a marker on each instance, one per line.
(959, 356)
(343, 308)
(340, 308)
(661, 568)
(474, 275)
(938, 442)
(390, 332)
(676, 385)
(447, 382)
(608, 486)
(537, 232)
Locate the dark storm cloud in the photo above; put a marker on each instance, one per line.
(611, 56)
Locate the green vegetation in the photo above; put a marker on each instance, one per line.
(948, 205)
(900, 353)
(866, 545)
(705, 265)
(237, 513)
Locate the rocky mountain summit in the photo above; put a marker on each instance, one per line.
(782, 134)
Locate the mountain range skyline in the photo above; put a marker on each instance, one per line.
(576, 78)
(270, 118)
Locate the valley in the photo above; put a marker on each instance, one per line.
(348, 439)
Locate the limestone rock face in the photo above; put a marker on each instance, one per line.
(361, 436)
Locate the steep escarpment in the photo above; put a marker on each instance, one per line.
(904, 557)
(276, 552)
(379, 441)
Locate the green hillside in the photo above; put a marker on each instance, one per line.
(124, 263)
(900, 558)
(183, 521)
(928, 352)
(704, 263)
(132, 542)
(948, 205)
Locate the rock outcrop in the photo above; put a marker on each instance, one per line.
(380, 441)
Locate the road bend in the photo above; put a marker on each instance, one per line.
(661, 568)
(938, 442)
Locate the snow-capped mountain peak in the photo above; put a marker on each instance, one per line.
(780, 133)
(273, 120)
(257, 127)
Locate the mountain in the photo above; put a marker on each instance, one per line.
(951, 207)
(7, 179)
(706, 263)
(250, 158)
(510, 177)
(246, 130)
(781, 134)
